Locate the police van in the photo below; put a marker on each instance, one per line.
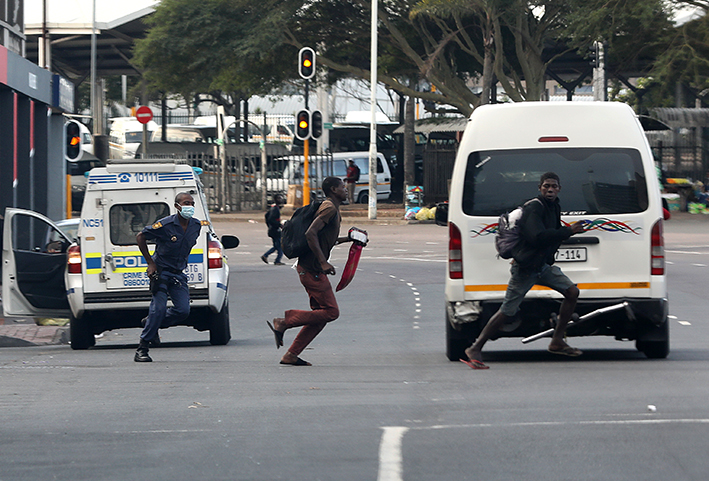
(99, 280)
(608, 181)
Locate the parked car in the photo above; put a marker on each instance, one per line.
(334, 165)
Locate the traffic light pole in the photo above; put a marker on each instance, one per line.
(306, 149)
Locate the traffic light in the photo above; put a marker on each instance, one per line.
(316, 124)
(302, 125)
(306, 62)
(72, 139)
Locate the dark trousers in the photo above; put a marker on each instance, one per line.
(276, 248)
(174, 285)
(323, 305)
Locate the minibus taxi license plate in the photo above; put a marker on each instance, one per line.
(570, 254)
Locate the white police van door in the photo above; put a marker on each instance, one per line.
(34, 260)
(127, 214)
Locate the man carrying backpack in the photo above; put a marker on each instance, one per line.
(352, 178)
(273, 222)
(313, 269)
(541, 234)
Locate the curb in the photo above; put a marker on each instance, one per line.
(24, 335)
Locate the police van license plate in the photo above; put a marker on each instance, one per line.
(570, 254)
(194, 273)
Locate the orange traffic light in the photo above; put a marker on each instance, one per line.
(72, 136)
(306, 62)
(302, 126)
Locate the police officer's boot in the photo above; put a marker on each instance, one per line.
(141, 354)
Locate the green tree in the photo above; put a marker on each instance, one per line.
(200, 48)
(684, 57)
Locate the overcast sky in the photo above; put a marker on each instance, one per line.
(80, 11)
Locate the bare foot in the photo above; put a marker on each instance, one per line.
(474, 354)
(279, 324)
(293, 360)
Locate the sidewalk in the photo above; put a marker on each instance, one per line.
(18, 332)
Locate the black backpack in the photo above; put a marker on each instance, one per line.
(293, 241)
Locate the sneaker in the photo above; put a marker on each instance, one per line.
(263, 258)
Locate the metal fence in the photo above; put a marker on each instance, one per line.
(232, 174)
(682, 153)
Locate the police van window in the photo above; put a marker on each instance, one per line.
(30, 234)
(127, 220)
(593, 181)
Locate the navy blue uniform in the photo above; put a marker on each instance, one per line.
(172, 250)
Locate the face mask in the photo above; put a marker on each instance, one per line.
(187, 211)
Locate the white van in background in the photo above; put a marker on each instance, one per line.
(335, 165)
(125, 136)
(608, 181)
(87, 140)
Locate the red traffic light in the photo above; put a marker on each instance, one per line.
(302, 125)
(306, 62)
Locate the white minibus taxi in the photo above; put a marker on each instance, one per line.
(608, 180)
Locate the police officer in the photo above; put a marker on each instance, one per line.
(174, 237)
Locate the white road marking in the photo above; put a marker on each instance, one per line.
(390, 460)
(699, 265)
(672, 317)
(685, 323)
(390, 258)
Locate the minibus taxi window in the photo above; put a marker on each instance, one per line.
(593, 180)
(128, 220)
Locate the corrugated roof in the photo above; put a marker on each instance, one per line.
(683, 117)
(437, 124)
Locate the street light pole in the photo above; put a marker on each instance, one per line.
(373, 119)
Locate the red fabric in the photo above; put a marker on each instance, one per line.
(348, 272)
(324, 309)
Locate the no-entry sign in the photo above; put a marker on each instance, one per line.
(144, 114)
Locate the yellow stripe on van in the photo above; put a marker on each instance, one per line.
(582, 286)
(93, 259)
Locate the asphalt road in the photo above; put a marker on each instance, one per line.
(381, 401)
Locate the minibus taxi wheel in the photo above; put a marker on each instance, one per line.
(456, 342)
(363, 197)
(658, 346)
(219, 328)
(80, 335)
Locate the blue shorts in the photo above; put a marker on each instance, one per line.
(522, 281)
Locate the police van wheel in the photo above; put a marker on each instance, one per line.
(456, 344)
(219, 329)
(80, 336)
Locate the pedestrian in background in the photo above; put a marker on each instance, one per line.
(273, 222)
(313, 269)
(174, 238)
(351, 180)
